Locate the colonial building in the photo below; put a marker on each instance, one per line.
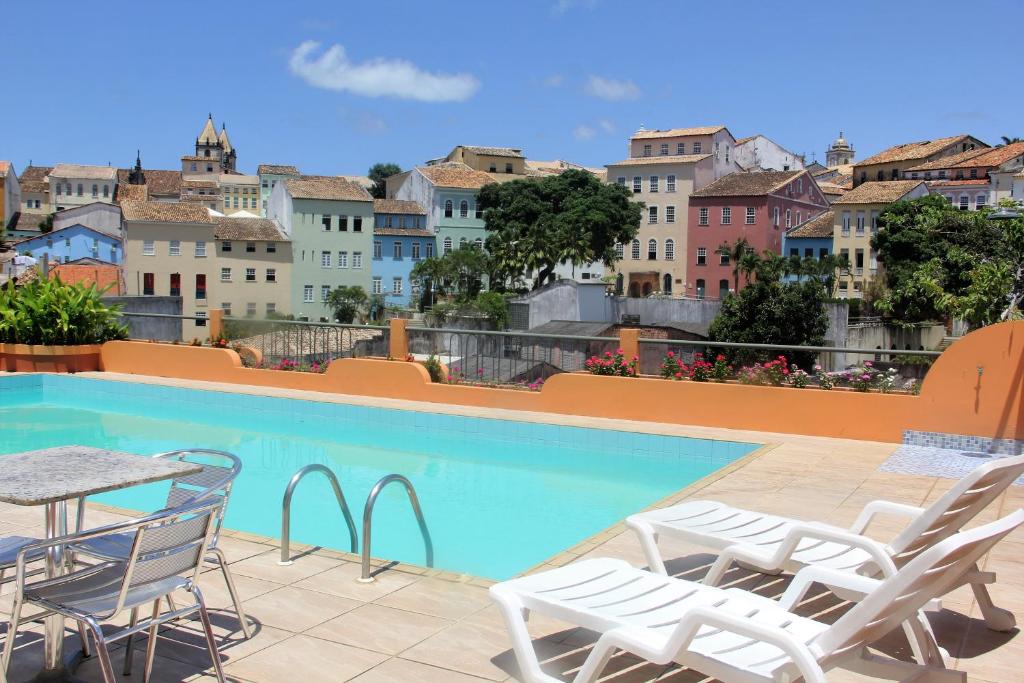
(240, 194)
(74, 185)
(855, 220)
(505, 160)
(74, 242)
(965, 178)
(269, 175)
(330, 223)
(840, 152)
(242, 266)
(891, 163)
(810, 239)
(10, 193)
(759, 153)
(400, 241)
(448, 192)
(757, 207)
(214, 153)
(161, 185)
(35, 190)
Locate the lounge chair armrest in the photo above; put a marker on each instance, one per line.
(887, 507)
(849, 583)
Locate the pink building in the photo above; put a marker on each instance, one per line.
(758, 207)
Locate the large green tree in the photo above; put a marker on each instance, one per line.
(534, 225)
(461, 273)
(771, 310)
(941, 262)
(378, 173)
(347, 302)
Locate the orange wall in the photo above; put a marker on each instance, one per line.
(954, 397)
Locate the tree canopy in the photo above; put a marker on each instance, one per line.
(534, 225)
(347, 302)
(378, 173)
(771, 310)
(459, 273)
(942, 262)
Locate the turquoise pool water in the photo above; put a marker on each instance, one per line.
(499, 496)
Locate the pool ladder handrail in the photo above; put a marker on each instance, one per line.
(371, 500)
(286, 509)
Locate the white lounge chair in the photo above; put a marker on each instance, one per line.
(740, 637)
(772, 544)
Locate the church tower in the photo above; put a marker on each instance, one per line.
(207, 144)
(840, 153)
(227, 159)
(136, 176)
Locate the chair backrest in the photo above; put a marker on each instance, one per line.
(956, 507)
(169, 543)
(213, 482)
(930, 575)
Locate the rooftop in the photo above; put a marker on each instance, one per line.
(748, 184)
(661, 159)
(494, 151)
(995, 156)
(455, 175)
(880, 192)
(818, 226)
(127, 192)
(325, 187)
(949, 161)
(913, 150)
(33, 179)
(160, 182)
(164, 212)
(676, 132)
(5, 167)
(403, 232)
(402, 206)
(276, 169)
(85, 172)
(24, 221)
(253, 229)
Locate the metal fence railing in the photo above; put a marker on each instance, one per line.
(505, 357)
(306, 342)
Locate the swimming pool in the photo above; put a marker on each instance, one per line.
(499, 496)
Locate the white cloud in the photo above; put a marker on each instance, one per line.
(611, 90)
(554, 80)
(583, 132)
(607, 126)
(380, 77)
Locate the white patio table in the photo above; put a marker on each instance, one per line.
(52, 477)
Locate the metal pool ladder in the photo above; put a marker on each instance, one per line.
(371, 500)
(286, 508)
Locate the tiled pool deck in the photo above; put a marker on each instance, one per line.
(314, 623)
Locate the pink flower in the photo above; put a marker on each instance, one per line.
(670, 354)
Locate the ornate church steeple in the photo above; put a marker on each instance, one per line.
(840, 153)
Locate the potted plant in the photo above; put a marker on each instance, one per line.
(49, 326)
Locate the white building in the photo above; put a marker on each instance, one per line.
(74, 185)
(758, 153)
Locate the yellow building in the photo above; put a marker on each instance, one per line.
(855, 220)
(891, 163)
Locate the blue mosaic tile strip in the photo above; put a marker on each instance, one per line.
(963, 442)
(931, 461)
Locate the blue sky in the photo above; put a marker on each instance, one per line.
(566, 79)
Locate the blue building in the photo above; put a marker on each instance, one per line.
(810, 239)
(72, 243)
(400, 240)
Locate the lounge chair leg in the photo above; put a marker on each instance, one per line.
(649, 544)
(211, 642)
(522, 644)
(922, 641)
(996, 618)
(147, 671)
(895, 670)
(128, 643)
(235, 597)
(596, 662)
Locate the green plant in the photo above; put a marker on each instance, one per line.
(614, 365)
(433, 366)
(51, 312)
(673, 368)
(721, 370)
(494, 306)
(701, 370)
(347, 301)
(797, 377)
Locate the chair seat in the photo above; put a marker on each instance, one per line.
(9, 547)
(605, 594)
(113, 547)
(720, 526)
(95, 591)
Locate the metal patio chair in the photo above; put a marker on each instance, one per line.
(166, 554)
(214, 482)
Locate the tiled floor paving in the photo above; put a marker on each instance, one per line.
(314, 623)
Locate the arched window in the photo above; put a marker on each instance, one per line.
(448, 208)
(723, 289)
(620, 251)
(447, 244)
(635, 249)
(463, 209)
(670, 249)
(652, 250)
(667, 286)
(478, 243)
(700, 289)
(462, 243)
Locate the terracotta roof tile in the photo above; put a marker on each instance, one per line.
(494, 151)
(946, 182)
(164, 212)
(33, 179)
(24, 221)
(949, 161)
(403, 232)
(661, 159)
(5, 167)
(913, 150)
(126, 192)
(161, 182)
(831, 189)
(398, 206)
(324, 187)
(748, 184)
(254, 229)
(83, 171)
(995, 156)
(879, 192)
(276, 169)
(676, 132)
(455, 175)
(818, 226)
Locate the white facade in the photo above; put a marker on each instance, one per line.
(758, 153)
(102, 217)
(73, 185)
(11, 200)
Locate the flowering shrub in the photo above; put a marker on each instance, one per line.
(771, 373)
(701, 369)
(826, 380)
(289, 365)
(218, 342)
(673, 368)
(613, 365)
(887, 380)
(861, 377)
(797, 377)
(721, 370)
